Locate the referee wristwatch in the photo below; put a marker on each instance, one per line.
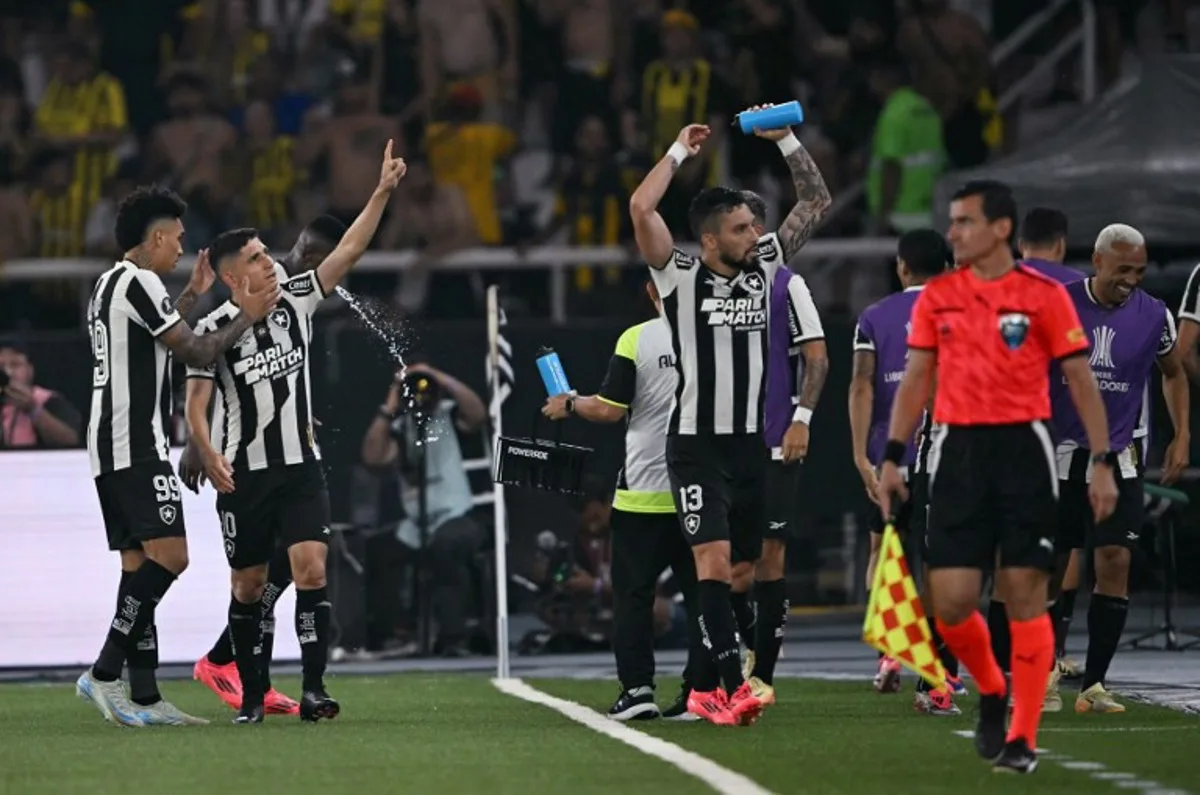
(1108, 458)
(570, 404)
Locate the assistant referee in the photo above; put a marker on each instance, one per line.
(990, 329)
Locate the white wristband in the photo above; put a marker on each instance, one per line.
(789, 144)
(678, 152)
(802, 414)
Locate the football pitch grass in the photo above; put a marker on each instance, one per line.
(453, 734)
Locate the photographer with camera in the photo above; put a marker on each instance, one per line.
(32, 417)
(417, 426)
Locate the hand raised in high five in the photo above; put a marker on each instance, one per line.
(392, 170)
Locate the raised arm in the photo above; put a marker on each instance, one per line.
(812, 194)
(650, 231)
(358, 237)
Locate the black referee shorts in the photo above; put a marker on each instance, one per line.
(718, 484)
(140, 503)
(992, 487)
(278, 505)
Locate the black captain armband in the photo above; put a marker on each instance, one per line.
(894, 451)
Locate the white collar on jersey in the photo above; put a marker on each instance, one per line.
(914, 288)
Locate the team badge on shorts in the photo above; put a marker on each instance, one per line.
(1014, 328)
(167, 513)
(691, 523)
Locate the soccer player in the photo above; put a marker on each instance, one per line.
(716, 305)
(880, 351)
(639, 388)
(134, 328)
(216, 670)
(1130, 331)
(797, 366)
(267, 469)
(991, 329)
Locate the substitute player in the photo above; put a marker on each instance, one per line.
(991, 329)
(797, 367)
(716, 305)
(267, 470)
(880, 351)
(134, 328)
(640, 389)
(216, 670)
(1130, 331)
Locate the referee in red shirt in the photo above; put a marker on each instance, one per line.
(990, 330)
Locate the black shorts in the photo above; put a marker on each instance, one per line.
(1077, 528)
(140, 503)
(783, 499)
(278, 505)
(718, 483)
(992, 487)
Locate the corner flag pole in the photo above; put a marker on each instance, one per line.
(498, 360)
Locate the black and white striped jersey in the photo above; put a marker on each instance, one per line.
(131, 371)
(263, 408)
(719, 333)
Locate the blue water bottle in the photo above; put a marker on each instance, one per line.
(773, 118)
(550, 366)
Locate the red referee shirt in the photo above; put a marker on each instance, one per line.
(994, 342)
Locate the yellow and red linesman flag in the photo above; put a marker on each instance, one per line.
(895, 622)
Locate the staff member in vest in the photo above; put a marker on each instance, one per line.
(1130, 331)
(640, 388)
(453, 537)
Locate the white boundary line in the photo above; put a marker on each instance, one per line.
(720, 779)
(1095, 770)
(1099, 729)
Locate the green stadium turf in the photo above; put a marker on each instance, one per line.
(453, 734)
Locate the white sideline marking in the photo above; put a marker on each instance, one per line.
(721, 779)
(1096, 771)
(1100, 729)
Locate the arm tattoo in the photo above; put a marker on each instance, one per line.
(203, 350)
(812, 202)
(186, 301)
(815, 373)
(864, 365)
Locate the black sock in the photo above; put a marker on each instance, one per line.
(949, 661)
(1064, 610)
(745, 614)
(143, 667)
(143, 590)
(1106, 621)
(267, 627)
(243, 634)
(312, 628)
(221, 652)
(716, 624)
(997, 621)
(772, 601)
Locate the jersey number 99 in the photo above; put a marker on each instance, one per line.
(100, 354)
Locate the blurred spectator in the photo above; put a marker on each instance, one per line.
(138, 40)
(849, 111)
(679, 89)
(222, 43)
(589, 31)
(269, 177)
(192, 151)
(32, 417)
(290, 23)
(397, 438)
(592, 206)
(58, 205)
(762, 65)
(16, 222)
(357, 24)
(473, 42)
(471, 153)
(83, 112)
(907, 153)
(99, 239)
(641, 43)
(289, 103)
(396, 69)
(948, 56)
(346, 148)
(15, 123)
(436, 221)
